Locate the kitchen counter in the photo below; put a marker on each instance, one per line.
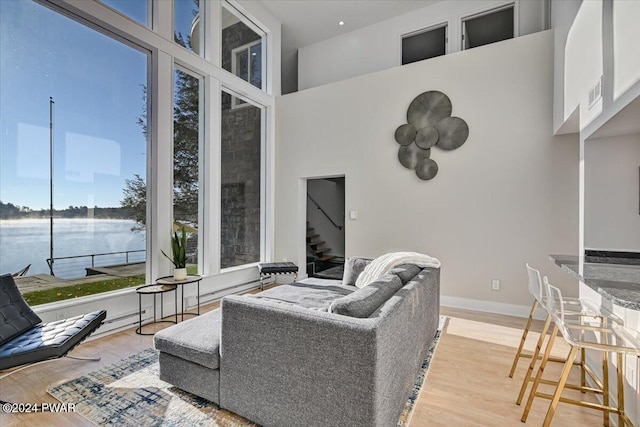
(615, 279)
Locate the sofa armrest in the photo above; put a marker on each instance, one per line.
(278, 360)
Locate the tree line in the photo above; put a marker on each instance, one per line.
(11, 211)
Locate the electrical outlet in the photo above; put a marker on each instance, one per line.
(60, 315)
(284, 260)
(495, 285)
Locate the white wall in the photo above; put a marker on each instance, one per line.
(612, 217)
(330, 196)
(583, 60)
(377, 47)
(594, 38)
(562, 16)
(507, 197)
(626, 35)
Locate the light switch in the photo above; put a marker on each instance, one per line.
(353, 214)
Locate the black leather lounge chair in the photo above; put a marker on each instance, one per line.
(24, 339)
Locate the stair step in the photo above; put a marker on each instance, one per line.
(321, 250)
(326, 258)
(311, 236)
(315, 243)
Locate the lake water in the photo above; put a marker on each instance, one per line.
(26, 241)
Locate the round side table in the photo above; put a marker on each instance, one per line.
(192, 278)
(155, 290)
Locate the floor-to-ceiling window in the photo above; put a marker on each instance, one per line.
(187, 137)
(241, 158)
(146, 138)
(72, 138)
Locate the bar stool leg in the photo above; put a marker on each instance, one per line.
(534, 359)
(536, 382)
(583, 373)
(524, 338)
(605, 386)
(620, 379)
(563, 380)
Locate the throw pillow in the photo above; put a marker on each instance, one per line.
(363, 302)
(353, 266)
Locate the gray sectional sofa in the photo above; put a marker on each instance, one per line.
(310, 353)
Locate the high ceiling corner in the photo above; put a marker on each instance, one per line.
(305, 22)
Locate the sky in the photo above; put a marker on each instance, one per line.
(97, 85)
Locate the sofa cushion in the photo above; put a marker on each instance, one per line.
(196, 339)
(406, 272)
(16, 316)
(315, 294)
(365, 301)
(353, 266)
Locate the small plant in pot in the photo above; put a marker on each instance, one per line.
(179, 252)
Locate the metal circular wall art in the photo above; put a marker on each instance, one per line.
(429, 125)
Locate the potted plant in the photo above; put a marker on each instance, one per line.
(179, 252)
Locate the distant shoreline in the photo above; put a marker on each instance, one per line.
(11, 211)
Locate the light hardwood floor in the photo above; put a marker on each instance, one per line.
(467, 385)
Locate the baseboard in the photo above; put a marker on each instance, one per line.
(491, 307)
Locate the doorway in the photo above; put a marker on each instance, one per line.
(325, 222)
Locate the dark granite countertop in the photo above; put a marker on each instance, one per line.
(618, 282)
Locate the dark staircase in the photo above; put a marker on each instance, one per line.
(319, 258)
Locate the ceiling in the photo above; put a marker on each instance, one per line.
(306, 22)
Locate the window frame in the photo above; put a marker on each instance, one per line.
(446, 24)
(202, 154)
(234, 64)
(485, 12)
(91, 22)
(265, 57)
(149, 23)
(264, 179)
(202, 18)
(156, 38)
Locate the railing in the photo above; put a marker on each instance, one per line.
(339, 227)
(79, 266)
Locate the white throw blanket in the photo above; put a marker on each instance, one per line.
(386, 262)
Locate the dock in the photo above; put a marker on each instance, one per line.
(40, 282)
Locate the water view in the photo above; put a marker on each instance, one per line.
(26, 241)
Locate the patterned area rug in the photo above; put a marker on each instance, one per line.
(129, 393)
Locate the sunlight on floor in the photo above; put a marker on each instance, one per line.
(500, 335)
